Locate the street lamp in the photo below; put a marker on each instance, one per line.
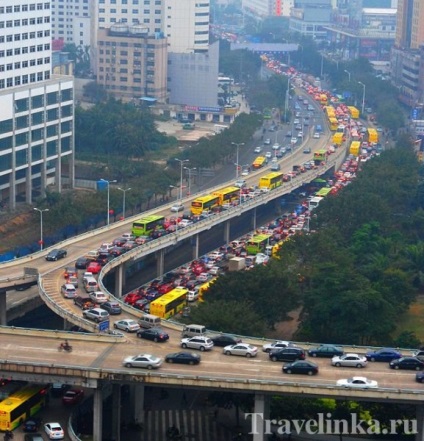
(346, 71)
(363, 98)
(108, 198)
(189, 178)
(181, 161)
(237, 144)
(123, 199)
(41, 225)
(322, 65)
(286, 104)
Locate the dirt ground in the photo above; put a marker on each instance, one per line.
(286, 329)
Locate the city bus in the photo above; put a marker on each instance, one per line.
(320, 155)
(257, 244)
(338, 138)
(21, 405)
(204, 287)
(355, 148)
(228, 195)
(259, 162)
(204, 203)
(323, 192)
(170, 303)
(333, 123)
(354, 112)
(271, 180)
(146, 225)
(372, 135)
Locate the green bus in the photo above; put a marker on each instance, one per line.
(257, 244)
(146, 225)
(323, 192)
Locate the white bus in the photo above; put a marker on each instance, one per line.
(314, 202)
(225, 81)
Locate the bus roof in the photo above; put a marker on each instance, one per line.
(16, 399)
(226, 190)
(207, 198)
(259, 238)
(150, 218)
(323, 192)
(171, 295)
(272, 175)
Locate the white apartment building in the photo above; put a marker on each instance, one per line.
(71, 21)
(261, 9)
(36, 107)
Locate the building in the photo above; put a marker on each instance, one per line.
(37, 108)
(261, 9)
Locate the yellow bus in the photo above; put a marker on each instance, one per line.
(338, 138)
(355, 148)
(323, 99)
(259, 162)
(204, 203)
(146, 225)
(204, 287)
(333, 123)
(21, 405)
(170, 303)
(228, 195)
(372, 135)
(271, 180)
(258, 243)
(354, 112)
(330, 111)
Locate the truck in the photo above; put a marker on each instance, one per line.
(236, 264)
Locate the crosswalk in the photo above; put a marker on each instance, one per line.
(194, 425)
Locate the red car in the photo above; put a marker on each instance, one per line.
(94, 267)
(132, 297)
(73, 396)
(165, 287)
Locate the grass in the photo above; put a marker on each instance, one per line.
(413, 320)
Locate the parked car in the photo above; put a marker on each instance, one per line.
(56, 254)
(349, 360)
(225, 340)
(325, 351)
(198, 342)
(183, 358)
(357, 383)
(146, 361)
(242, 349)
(127, 325)
(154, 334)
(54, 431)
(113, 308)
(301, 367)
(411, 363)
(96, 314)
(287, 354)
(384, 354)
(73, 396)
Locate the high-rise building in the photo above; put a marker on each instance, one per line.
(410, 29)
(36, 117)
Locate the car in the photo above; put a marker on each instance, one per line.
(349, 360)
(268, 155)
(31, 424)
(58, 389)
(113, 308)
(268, 347)
(274, 159)
(384, 354)
(73, 396)
(276, 146)
(294, 140)
(154, 334)
(98, 297)
(300, 134)
(300, 367)
(54, 431)
(127, 325)
(287, 354)
(242, 349)
(200, 342)
(267, 141)
(73, 280)
(183, 358)
(275, 167)
(176, 208)
(289, 134)
(68, 291)
(56, 254)
(70, 271)
(223, 340)
(325, 351)
(146, 361)
(216, 256)
(357, 383)
(316, 135)
(96, 314)
(193, 295)
(184, 223)
(258, 149)
(84, 302)
(419, 377)
(412, 363)
(33, 437)
(94, 267)
(241, 183)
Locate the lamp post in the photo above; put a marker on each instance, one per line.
(363, 98)
(108, 198)
(41, 225)
(322, 65)
(346, 71)
(286, 104)
(181, 161)
(189, 178)
(123, 199)
(237, 144)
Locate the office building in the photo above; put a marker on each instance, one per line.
(310, 17)
(261, 9)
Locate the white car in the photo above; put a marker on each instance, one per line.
(357, 383)
(193, 295)
(54, 431)
(146, 361)
(316, 135)
(300, 134)
(199, 342)
(294, 140)
(215, 270)
(240, 183)
(267, 141)
(184, 223)
(98, 297)
(127, 325)
(268, 155)
(274, 159)
(258, 149)
(216, 255)
(280, 344)
(245, 172)
(242, 349)
(177, 208)
(349, 360)
(276, 146)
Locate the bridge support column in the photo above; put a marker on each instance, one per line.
(259, 417)
(227, 227)
(196, 242)
(3, 308)
(119, 279)
(160, 262)
(97, 413)
(137, 402)
(116, 414)
(419, 436)
(254, 219)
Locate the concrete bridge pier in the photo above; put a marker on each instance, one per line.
(254, 219)
(227, 227)
(97, 413)
(3, 308)
(116, 414)
(259, 417)
(419, 436)
(196, 243)
(137, 402)
(160, 262)
(119, 279)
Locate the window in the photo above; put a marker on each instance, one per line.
(37, 134)
(66, 144)
(6, 126)
(21, 157)
(6, 143)
(66, 127)
(52, 114)
(52, 98)
(22, 122)
(37, 118)
(52, 130)
(66, 94)
(66, 111)
(5, 161)
(37, 101)
(36, 152)
(52, 148)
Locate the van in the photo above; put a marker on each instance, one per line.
(149, 321)
(90, 284)
(193, 330)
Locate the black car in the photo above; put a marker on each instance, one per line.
(31, 424)
(56, 254)
(419, 377)
(58, 389)
(33, 437)
(225, 340)
(154, 334)
(301, 367)
(82, 262)
(287, 354)
(183, 358)
(325, 351)
(411, 363)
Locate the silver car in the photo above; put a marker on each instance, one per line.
(242, 349)
(349, 360)
(146, 361)
(201, 343)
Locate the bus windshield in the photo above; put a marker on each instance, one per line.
(170, 303)
(146, 225)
